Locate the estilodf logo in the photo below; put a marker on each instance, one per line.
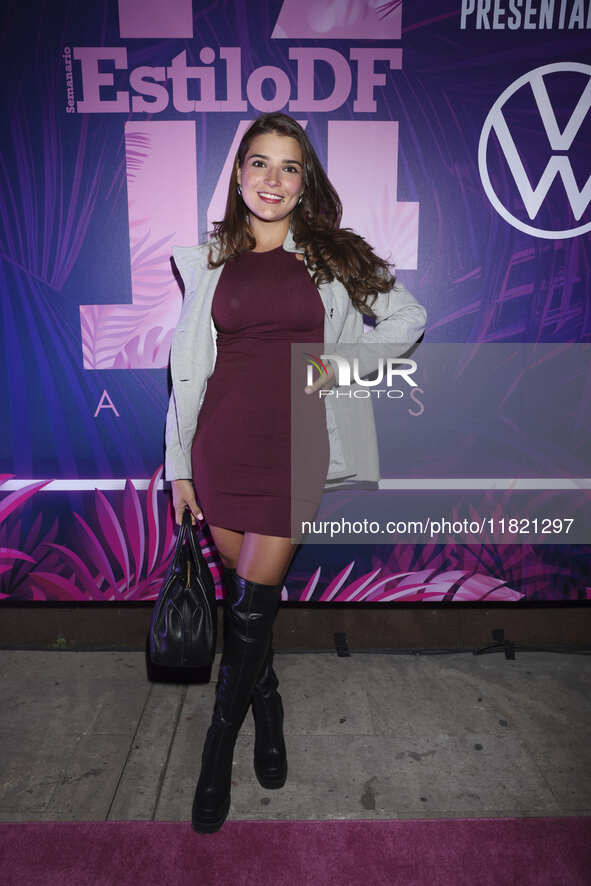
(560, 153)
(389, 371)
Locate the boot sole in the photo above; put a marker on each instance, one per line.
(207, 826)
(271, 782)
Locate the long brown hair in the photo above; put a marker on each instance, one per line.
(330, 251)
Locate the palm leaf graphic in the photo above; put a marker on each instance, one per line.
(85, 578)
(94, 550)
(113, 533)
(131, 557)
(18, 556)
(55, 587)
(134, 522)
(17, 498)
(7, 559)
(124, 336)
(423, 578)
(120, 562)
(137, 148)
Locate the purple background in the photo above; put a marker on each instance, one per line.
(72, 233)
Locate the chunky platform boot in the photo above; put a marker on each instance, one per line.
(247, 631)
(270, 756)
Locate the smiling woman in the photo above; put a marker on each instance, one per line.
(242, 449)
(264, 281)
(271, 184)
(265, 299)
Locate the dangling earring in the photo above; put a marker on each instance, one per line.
(300, 199)
(239, 189)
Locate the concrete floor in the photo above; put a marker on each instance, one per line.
(85, 736)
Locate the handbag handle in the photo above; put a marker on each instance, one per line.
(185, 528)
(193, 534)
(187, 518)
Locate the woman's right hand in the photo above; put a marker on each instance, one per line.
(183, 495)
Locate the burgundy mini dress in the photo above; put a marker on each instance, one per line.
(242, 455)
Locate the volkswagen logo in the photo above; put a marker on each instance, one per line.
(529, 193)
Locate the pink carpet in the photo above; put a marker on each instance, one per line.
(450, 852)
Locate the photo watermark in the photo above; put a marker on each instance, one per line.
(499, 450)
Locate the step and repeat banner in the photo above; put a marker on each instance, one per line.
(458, 135)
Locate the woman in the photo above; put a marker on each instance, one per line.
(278, 270)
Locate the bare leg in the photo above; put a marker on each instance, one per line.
(228, 543)
(261, 558)
(265, 558)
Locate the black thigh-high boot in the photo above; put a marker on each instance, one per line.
(247, 630)
(270, 756)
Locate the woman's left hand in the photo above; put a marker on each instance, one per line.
(323, 382)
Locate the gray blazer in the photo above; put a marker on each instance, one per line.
(400, 321)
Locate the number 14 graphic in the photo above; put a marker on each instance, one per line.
(162, 188)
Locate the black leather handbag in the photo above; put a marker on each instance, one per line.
(183, 628)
